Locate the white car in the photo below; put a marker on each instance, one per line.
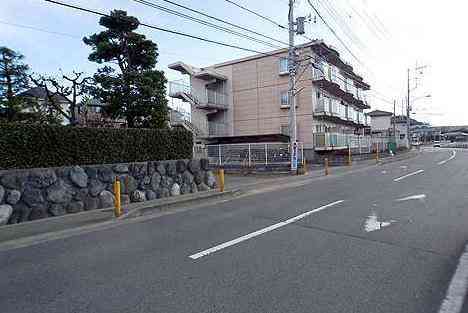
(437, 143)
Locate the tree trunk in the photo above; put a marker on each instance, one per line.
(130, 121)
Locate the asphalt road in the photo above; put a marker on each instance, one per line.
(369, 250)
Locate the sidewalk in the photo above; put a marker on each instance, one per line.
(248, 182)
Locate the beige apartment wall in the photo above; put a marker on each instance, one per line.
(256, 104)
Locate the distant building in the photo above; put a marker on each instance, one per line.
(92, 113)
(383, 124)
(37, 97)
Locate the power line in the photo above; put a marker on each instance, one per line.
(179, 33)
(39, 29)
(78, 37)
(340, 22)
(161, 29)
(257, 14)
(203, 22)
(333, 32)
(223, 21)
(381, 98)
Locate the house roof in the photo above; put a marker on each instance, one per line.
(39, 93)
(376, 113)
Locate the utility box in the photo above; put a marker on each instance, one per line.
(300, 21)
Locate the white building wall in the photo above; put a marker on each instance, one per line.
(381, 122)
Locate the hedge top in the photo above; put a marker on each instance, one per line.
(36, 146)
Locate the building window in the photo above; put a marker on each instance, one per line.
(283, 66)
(284, 98)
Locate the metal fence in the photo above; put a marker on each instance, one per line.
(252, 155)
(358, 144)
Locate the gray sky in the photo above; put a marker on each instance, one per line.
(386, 36)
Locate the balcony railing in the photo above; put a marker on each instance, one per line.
(176, 88)
(218, 129)
(318, 74)
(215, 97)
(327, 107)
(336, 141)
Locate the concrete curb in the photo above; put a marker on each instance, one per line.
(69, 222)
(149, 207)
(54, 224)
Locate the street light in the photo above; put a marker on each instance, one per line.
(422, 97)
(410, 108)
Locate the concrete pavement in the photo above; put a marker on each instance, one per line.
(325, 260)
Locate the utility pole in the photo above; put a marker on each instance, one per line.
(408, 109)
(292, 87)
(394, 121)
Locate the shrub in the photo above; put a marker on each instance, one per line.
(31, 146)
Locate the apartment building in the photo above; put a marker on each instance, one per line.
(248, 98)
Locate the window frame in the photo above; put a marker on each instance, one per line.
(281, 67)
(286, 95)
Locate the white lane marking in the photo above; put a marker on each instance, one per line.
(404, 167)
(261, 231)
(384, 172)
(415, 197)
(456, 292)
(372, 223)
(408, 175)
(454, 154)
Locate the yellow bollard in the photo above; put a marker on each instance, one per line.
(221, 179)
(326, 166)
(306, 170)
(118, 206)
(349, 157)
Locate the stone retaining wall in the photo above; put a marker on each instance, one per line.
(33, 194)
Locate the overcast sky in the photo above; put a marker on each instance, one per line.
(386, 37)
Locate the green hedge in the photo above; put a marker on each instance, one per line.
(30, 146)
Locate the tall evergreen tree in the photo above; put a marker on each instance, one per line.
(130, 85)
(13, 78)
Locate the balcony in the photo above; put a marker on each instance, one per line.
(335, 111)
(218, 129)
(336, 85)
(326, 82)
(208, 99)
(178, 90)
(338, 141)
(212, 99)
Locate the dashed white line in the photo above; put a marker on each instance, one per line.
(261, 231)
(454, 154)
(456, 292)
(415, 197)
(408, 175)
